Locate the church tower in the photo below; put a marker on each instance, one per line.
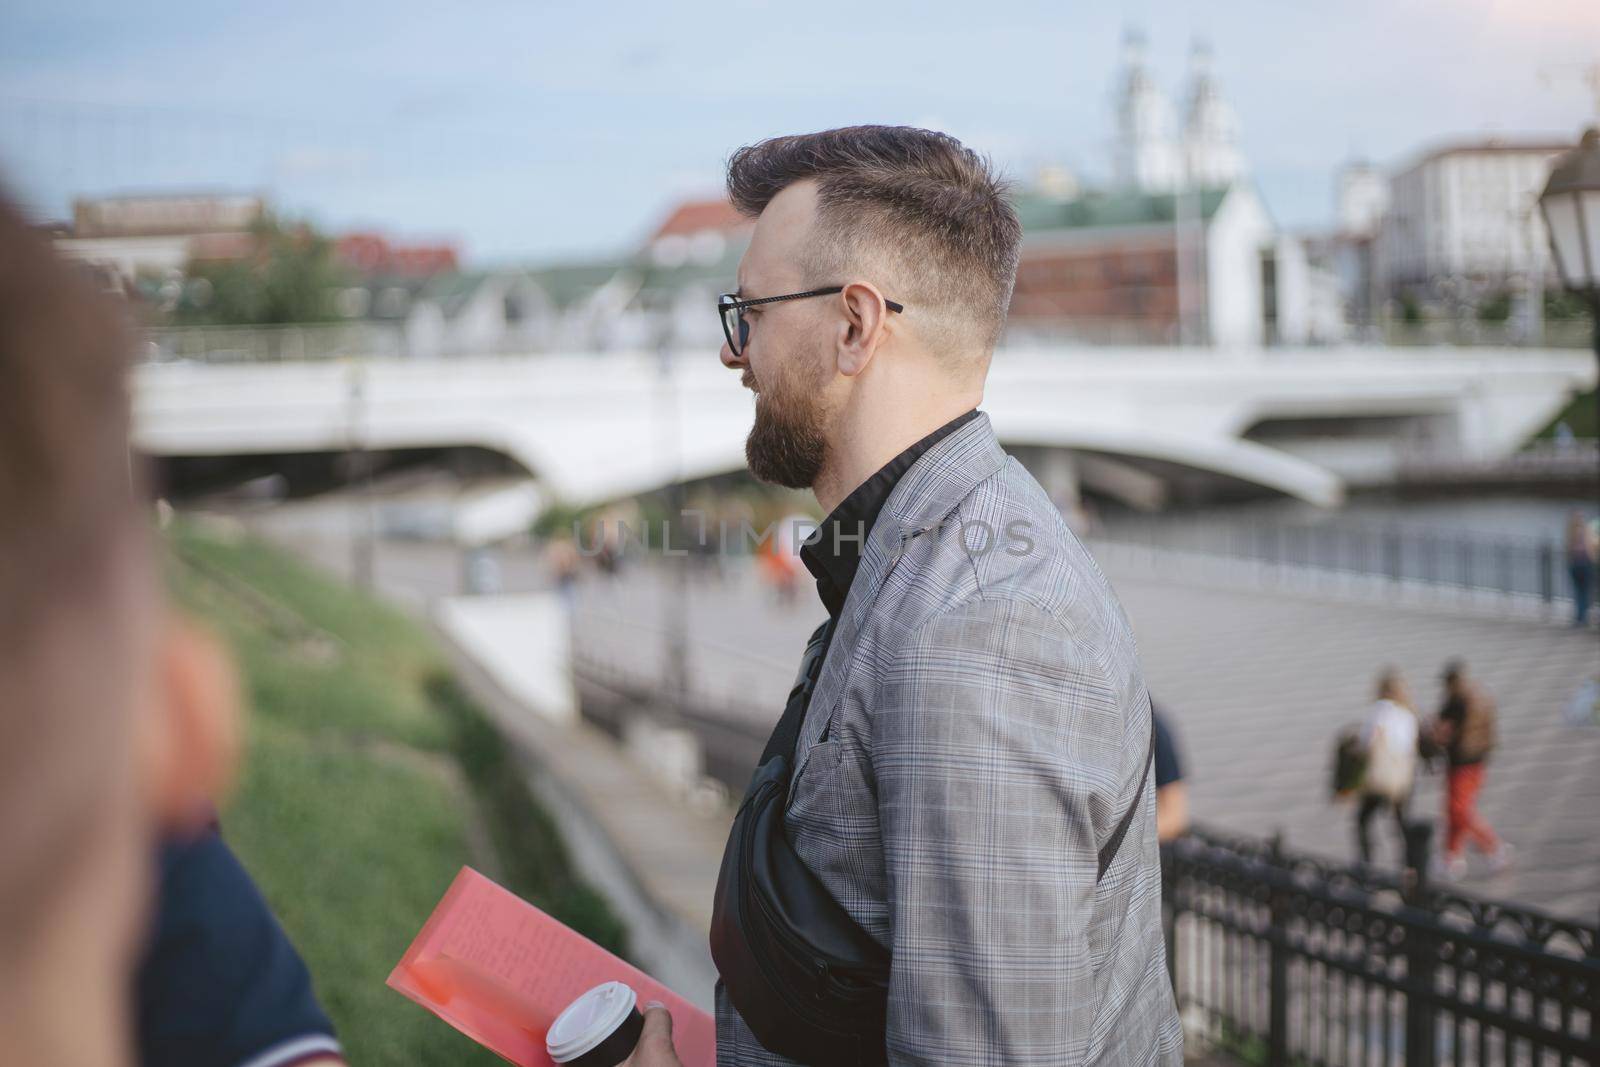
(1146, 155)
(1210, 129)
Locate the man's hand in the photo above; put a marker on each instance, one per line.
(655, 1043)
(1172, 811)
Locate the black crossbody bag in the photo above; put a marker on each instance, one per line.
(808, 981)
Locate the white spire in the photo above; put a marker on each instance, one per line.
(1210, 129)
(1147, 155)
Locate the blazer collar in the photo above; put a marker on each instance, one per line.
(944, 476)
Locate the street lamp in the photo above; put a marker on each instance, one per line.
(1570, 205)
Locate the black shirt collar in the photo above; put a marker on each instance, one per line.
(833, 555)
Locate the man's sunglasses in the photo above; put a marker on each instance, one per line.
(737, 330)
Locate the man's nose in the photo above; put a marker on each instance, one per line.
(730, 360)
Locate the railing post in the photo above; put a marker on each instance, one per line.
(1421, 954)
(1547, 569)
(1594, 987)
(1278, 978)
(1391, 545)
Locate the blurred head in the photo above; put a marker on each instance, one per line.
(1454, 675)
(1392, 686)
(115, 723)
(887, 213)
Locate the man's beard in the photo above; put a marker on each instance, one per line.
(786, 445)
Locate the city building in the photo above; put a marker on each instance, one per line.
(1462, 222)
(1346, 295)
(1097, 266)
(1180, 249)
(129, 239)
(663, 293)
(1141, 267)
(1362, 198)
(453, 314)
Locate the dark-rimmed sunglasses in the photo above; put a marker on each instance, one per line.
(737, 330)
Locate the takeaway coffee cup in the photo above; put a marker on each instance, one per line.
(599, 1029)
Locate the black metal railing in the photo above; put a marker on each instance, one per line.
(620, 679)
(1528, 569)
(1283, 959)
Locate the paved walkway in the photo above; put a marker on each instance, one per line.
(1259, 683)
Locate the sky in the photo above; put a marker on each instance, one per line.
(533, 132)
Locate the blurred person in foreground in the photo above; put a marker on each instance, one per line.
(1389, 741)
(117, 725)
(970, 805)
(1467, 728)
(219, 983)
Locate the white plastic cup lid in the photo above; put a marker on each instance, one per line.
(589, 1020)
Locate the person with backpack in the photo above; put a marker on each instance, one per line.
(1466, 727)
(1388, 739)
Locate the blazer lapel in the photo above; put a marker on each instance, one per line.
(930, 490)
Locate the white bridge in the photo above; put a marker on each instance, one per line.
(1134, 423)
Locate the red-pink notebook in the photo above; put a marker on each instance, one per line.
(500, 970)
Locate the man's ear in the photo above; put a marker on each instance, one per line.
(189, 731)
(864, 328)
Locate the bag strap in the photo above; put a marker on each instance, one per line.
(1109, 852)
(786, 735)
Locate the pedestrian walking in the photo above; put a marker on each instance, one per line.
(1389, 742)
(1467, 728)
(1581, 555)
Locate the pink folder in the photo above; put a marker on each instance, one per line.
(500, 970)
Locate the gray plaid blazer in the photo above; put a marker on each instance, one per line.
(979, 728)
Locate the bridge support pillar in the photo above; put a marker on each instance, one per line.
(1057, 471)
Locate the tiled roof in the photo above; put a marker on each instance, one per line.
(693, 216)
(372, 253)
(1107, 210)
(568, 283)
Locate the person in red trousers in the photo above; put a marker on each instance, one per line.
(1466, 728)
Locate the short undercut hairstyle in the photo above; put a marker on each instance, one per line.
(914, 203)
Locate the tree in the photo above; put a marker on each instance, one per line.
(1496, 308)
(290, 275)
(1410, 310)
